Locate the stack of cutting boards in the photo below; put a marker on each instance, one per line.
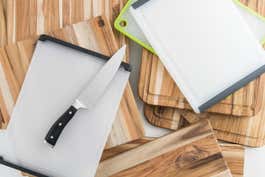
(238, 119)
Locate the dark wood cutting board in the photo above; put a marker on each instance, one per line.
(156, 87)
(191, 151)
(233, 154)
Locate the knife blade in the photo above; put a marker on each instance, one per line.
(88, 96)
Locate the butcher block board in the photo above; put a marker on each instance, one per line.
(249, 131)
(156, 87)
(233, 154)
(95, 34)
(192, 151)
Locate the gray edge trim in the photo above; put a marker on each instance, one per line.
(232, 89)
(139, 3)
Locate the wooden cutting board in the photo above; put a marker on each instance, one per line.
(95, 34)
(190, 151)
(249, 131)
(233, 154)
(156, 87)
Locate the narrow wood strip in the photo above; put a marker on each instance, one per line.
(234, 156)
(3, 34)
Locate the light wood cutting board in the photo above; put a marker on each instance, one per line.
(233, 154)
(31, 17)
(95, 34)
(191, 151)
(161, 90)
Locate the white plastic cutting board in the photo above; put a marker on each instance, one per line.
(6, 151)
(54, 79)
(131, 29)
(206, 46)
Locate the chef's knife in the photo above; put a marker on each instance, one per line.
(89, 95)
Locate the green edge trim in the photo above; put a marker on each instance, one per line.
(253, 12)
(119, 19)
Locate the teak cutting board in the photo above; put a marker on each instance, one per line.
(190, 151)
(249, 131)
(95, 34)
(233, 154)
(161, 90)
(157, 88)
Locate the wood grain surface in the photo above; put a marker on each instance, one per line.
(233, 154)
(156, 87)
(95, 34)
(249, 131)
(191, 151)
(28, 18)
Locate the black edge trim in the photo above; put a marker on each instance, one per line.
(139, 3)
(241, 83)
(45, 37)
(10, 165)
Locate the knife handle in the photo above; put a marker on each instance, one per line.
(58, 127)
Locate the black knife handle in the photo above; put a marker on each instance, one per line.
(58, 127)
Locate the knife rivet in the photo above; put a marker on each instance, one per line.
(70, 112)
(60, 124)
(51, 137)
